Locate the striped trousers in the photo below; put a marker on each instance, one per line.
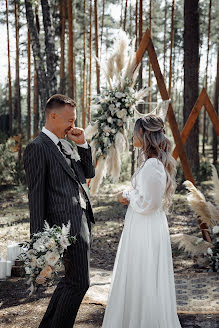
(69, 293)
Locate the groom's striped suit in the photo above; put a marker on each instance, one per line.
(54, 195)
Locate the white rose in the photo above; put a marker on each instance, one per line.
(39, 246)
(111, 107)
(107, 128)
(114, 131)
(215, 230)
(110, 120)
(118, 104)
(119, 95)
(122, 113)
(27, 270)
(52, 258)
(64, 242)
(40, 262)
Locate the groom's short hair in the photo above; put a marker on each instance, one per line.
(57, 101)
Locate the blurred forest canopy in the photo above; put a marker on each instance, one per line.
(51, 47)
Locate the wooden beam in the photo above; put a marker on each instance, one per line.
(212, 113)
(142, 47)
(190, 121)
(203, 100)
(170, 114)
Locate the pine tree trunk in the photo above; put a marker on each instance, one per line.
(38, 58)
(84, 71)
(171, 46)
(62, 11)
(216, 96)
(206, 79)
(51, 58)
(165, 42)
(9, 74)
(17, 81)
(90, 65)
(28, 87)
(125, 15)
(191, 76)
(140, 37)
(102, 25)
(35, 105)
(70, 52)
(149, 67)
(122, 13)
(136, 24)
(96, 45)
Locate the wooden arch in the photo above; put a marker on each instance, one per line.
(147, 44)
(203, 100)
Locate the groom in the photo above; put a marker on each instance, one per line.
(58, 193)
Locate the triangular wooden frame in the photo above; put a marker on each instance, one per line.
(147, 44)
(203, 100)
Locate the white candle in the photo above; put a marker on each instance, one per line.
(12, 252)
(3, 267)
(8, 270)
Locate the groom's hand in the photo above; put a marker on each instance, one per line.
(77, 135)
(121, 199)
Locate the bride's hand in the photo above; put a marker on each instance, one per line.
(121, 199)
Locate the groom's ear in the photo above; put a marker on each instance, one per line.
(53, 115)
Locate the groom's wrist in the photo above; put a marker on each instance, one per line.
(84, 145)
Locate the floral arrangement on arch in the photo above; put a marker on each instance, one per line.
(114, 108)
(42, 255)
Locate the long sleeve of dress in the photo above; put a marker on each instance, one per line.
(148, 194)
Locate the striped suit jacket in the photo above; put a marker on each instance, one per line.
(53, 187)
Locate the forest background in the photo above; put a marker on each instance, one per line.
(51, 46)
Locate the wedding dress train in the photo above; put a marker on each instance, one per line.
(142, 292)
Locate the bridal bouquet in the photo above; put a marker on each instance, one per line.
(42, 255)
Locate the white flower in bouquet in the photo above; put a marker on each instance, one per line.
(110, 119)
(111, 107)
(40, 261)
(52, 257)
(215, 230)
(64, 242)
(122, 113)
(107, 128)
(43, 254)
(209, 251)
(113, 131)
(118, 104)
(119, 95)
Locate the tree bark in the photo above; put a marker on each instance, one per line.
(62, 11)
(51, 58)
(206, 79)
(9, 74)
(125, 15)
(38, 58)
(171, 46)
(28, 87)
(70, 52)
(90, 65)
(149, 67)
(84, 71)
(35, 105)
(17, 106)
(216, 96)
(165, 42)
(96, 44)
(140, 37)
(191, 76)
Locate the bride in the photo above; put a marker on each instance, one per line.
(142, 291)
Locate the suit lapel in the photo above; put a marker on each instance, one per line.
(57, 154)
(63, 162)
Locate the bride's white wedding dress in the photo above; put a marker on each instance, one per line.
(142, 292)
